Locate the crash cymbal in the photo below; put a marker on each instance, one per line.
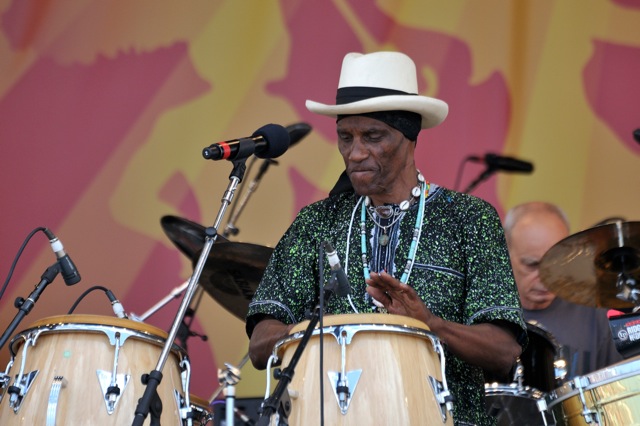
(232, 272)
(188, 236)
(584, 268)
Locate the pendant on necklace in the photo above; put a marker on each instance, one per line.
(383, 240)
(385, 212)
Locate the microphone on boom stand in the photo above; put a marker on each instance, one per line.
(296, 132)
(497, 163)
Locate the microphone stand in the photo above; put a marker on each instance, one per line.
(275, 402)
(483, 176)
(153, 379)
(231, 229)
(26, 305)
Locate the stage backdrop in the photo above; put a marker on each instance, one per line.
(105, 108)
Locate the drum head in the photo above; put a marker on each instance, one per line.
(520, 409)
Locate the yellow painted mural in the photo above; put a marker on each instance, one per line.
(105, 108)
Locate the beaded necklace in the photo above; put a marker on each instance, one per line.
(415, 239)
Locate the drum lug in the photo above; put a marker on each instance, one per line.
(59, 382)
(590, 416)
(111, 392)
(344, 386)
(184, 407)
(5, 379)
(443, 397)
(20, 389)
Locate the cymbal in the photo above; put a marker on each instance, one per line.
(584, 268)
(232, 272)
(186, 235)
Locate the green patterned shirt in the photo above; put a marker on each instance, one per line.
(461, 271)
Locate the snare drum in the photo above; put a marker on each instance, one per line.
(378, 369)
(610, 396)
(86, 370)
(522, 402)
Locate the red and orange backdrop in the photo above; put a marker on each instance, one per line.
(106, 106)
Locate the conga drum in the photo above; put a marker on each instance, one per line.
(86, 370)
(377, 369)
(610, 396)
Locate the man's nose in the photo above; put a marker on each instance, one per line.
(358, 150)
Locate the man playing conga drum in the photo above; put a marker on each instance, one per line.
(409, 246)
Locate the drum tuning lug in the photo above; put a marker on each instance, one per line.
(112, 392)
(20, 389)
(186, 412)
(444, 399)
(344, 386)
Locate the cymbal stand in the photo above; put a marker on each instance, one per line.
(228, 379)
(230, 228)
(174, 294)
(153, 379)
(481, 178)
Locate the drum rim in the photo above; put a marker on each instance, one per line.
(539, 329)
(610, 374)
(99, 320)
(353, 319)
(376, 322)
(511, 389)
(200, 402)
(63, 323)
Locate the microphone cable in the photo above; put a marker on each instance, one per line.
(240, 188)
(15, 260)
(321, 327)
(85, 293)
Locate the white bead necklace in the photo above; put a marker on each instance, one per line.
(423, 187)
(389, 211)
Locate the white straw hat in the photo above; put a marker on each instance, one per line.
(381, 81)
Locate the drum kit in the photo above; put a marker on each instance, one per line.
(598, 267)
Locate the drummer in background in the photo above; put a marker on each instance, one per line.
(583, 331)
(459, 280)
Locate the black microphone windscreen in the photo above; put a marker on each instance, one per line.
(297, 132)
(636, 135)
(277, 139)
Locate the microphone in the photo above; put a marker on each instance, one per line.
(118, 309)
(344, 288)
(68, 269)
(297, 132)
(636, 135)
(506, 164)
(269, 141)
